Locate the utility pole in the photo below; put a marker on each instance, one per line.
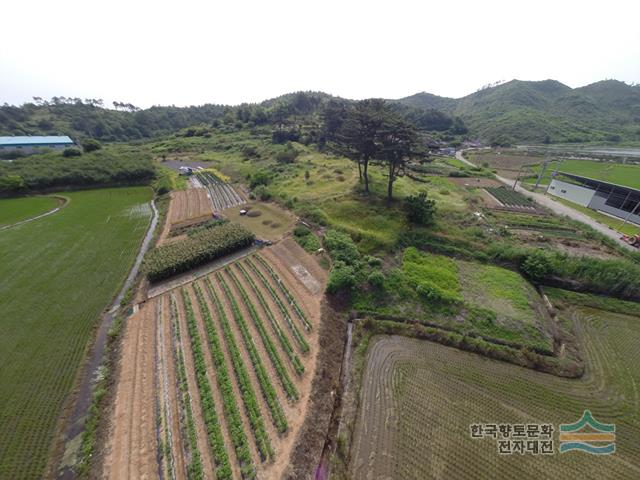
(544, 168)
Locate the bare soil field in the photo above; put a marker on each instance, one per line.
(504, 160)
(267, 220)
(188, 206)
(248, 332)
(418, 400)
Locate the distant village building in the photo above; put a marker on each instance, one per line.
(28, 144)
(617, 200)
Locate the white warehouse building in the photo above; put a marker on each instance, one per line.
(617, 200)
(30, 144)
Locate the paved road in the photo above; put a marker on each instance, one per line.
(557, 207)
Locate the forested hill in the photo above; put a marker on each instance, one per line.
(523, 111)
(82, 119)
(512, 112)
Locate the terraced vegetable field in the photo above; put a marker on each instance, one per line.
(57, 274)
(222, 194)
(236, 355)
(510, 198)
(419, 399)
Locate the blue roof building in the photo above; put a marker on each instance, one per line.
(32, 142)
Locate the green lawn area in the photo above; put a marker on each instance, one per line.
(627, 175)
(14, 210)
(56, 275)
(616, 224)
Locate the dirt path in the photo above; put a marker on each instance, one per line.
(62, 202)
(168, 392)
(132, 445)
(558, 208)
(201, 429)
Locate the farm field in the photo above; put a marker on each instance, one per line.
(626, 175)
(419, 399)
(236, 352)
(221, 193)
(13, 210)
(187, 206)
(510, 198)
(267, 220)
(56, 275)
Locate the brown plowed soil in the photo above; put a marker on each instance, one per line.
(132, 443)
(189, 204)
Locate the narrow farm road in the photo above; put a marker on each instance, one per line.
(556, 207)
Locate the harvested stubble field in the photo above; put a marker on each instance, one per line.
(236, 353)
(57, 274)
(419, 399)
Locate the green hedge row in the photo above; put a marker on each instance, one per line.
(268, 391)
(287, 294)
(244, 381)
(304, 346)
(225, 385)
(282, 338)
(210, 244)
(194, 468)
(211, 419)
(281, 371)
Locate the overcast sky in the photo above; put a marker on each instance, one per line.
(192, 52)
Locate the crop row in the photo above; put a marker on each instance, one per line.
(284, 340)
(304, 346)
(225, 384)
(167, 260)
(211, 419)
(222, 194)
(268, 391)
(509, 197)
(194, 468)
(281, 371)
(292, 301)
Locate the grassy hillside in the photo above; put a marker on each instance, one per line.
(545, 111)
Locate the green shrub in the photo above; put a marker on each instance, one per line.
(91, 145)
(341, 247)
(376, 279)
(341, 278)
(71, 152)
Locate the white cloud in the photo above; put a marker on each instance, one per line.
(192, 52)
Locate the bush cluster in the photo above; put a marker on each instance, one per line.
(618, 278)
(168, 260)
